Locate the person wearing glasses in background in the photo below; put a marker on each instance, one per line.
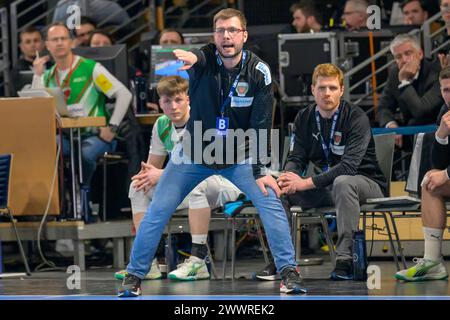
(355, 15)
(85, 84)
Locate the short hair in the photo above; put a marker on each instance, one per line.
(360, 5)
(445, 73)
(172, 85)
(402, 38)
(327, 70)
(103, 32)
(421, 2)
(170, 30)
(229, 13)
(29, 29)
(87, 20)
(308, 9)
(56, 24)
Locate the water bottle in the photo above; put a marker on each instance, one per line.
(85, 192)
(359, 256)
(171, 255)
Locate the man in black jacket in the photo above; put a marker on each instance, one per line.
(230, 91)
(336, 137)
(435, 192)
(412, 89)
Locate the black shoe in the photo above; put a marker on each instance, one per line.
(268, 273)
(291, 281)
(131, 287)
(343, 270)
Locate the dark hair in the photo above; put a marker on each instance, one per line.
(103, 32)
(229, 13)
(56, 24)
(421, 2)
(87, 20)
(29, 29)
(445, 73)
(308, 9)
(170, 30)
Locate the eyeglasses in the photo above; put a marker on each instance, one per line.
(231, 31)
(57, 39)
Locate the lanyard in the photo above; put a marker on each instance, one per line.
(233, 86)
(66, 81)
(325, 147)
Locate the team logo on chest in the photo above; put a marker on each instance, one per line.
(337, 138)
(242, 89)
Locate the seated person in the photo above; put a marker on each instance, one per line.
(412, 87)
(335, 136)
(86, 84)
(84, 32)
(107, 11)
(166, 37)
(305, 17)
(30, 43)
(100, 38)
(414, 12)
(355, 15)
(209, 194)
(435, 193)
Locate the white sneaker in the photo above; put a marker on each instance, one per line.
(192, 269)
(423, 270)
(153, 274)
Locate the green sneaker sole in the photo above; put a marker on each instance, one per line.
(418, 279)
(174, 277)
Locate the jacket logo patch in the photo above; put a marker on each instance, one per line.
(337, 150)
(239, 102)
(79, 79)
(242, 89)
(337, 138)
(316, 135)
(265, 71)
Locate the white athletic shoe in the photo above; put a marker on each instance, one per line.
(423, 270)
(153, 274)
(192, 269)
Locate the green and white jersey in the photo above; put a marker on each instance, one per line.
(164, 136)
(90, 83)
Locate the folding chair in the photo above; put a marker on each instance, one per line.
(5, 179)
(384, 148)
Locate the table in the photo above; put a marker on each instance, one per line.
(148, 118)
(76, 124)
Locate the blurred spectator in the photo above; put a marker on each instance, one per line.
(30, 43)
(306, 17)
(100, 38)
(170, 37)
(100, 11)
(443, 54)
(83, 33)
(355, 14)
(166, 37)
(414, 12)
(412, 87)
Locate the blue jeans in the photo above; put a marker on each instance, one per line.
(175, 184)
(92, 148)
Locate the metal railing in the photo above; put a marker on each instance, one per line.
(429, 37)
(193, 13)
(18, 12)
(4, 52)
(364, 64)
